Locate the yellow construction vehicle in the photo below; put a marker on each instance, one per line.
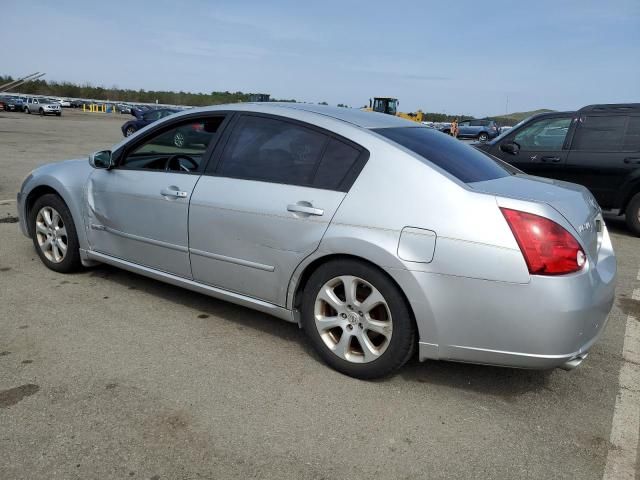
(389, 105)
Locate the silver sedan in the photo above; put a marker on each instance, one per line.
(378, 236)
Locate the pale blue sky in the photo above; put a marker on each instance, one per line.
(445, 56)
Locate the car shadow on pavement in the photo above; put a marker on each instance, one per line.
(502, 382)
(617, 225)
(506, 383)
(206, 306)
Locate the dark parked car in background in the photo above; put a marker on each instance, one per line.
(598, 147)
(145, 118)
(11, 104)
(481, 130)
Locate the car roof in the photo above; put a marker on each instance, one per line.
(612, 108)
(550, 114)
(353, 116)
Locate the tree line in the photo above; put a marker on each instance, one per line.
(115, 94)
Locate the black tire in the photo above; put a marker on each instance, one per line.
(129, 131)
(483, 137)
(26, 109)
(632, 214)
(402, 344)
(41, 112)
(71, 260)
(58, 114)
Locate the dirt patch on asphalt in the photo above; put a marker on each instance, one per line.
(14, 395)
(630, 307)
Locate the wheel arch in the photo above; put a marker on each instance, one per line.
(420, 311)
(52, 186)
(31, 198)
(630, 191)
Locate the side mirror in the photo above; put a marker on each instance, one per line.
(101, 159)
(510, 147)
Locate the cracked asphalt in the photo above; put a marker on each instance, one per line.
(106, 374)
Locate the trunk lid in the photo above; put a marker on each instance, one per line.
(574, 202)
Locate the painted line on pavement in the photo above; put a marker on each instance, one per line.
(623, 451)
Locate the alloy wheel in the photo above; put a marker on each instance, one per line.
(178, 139)
(353, 319)
(51, 234)
(130, 131)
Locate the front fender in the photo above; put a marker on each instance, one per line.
(68, 180)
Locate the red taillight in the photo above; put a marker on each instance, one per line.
(548, 248)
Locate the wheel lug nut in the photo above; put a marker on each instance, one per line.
(343, 315)
(360, 313)
(360, 325)
(349, 327)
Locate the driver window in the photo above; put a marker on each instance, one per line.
(178, 149)
(547, 134)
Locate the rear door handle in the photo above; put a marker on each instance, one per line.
(551, 159)
(308, 209)
(632, 160)
(173, 192)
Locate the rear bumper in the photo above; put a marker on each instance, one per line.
(546, 323)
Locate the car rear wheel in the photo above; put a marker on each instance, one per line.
(357, 319)
(632, 214)
(483, 137)
(129, 131)
(54, 234)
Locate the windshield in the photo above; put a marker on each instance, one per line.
(460, 160)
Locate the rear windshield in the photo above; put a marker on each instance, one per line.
(460, 160)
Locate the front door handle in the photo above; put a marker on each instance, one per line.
(306, 208)
(173, 192)
(551, 159)
(634, 160)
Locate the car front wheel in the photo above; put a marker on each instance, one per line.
(357, 319)
(129, 131)
(54, 234)
(483, 137)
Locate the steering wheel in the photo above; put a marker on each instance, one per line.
(174, 161)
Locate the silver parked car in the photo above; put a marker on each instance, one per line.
(376, 235)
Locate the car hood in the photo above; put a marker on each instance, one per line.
(574, 202)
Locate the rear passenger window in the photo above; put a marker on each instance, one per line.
(632, 136)
(600, 133)
(336, 162)
(272, 150)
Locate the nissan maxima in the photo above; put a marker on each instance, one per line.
(377, 236)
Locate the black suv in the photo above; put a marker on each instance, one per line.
(598, 147)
